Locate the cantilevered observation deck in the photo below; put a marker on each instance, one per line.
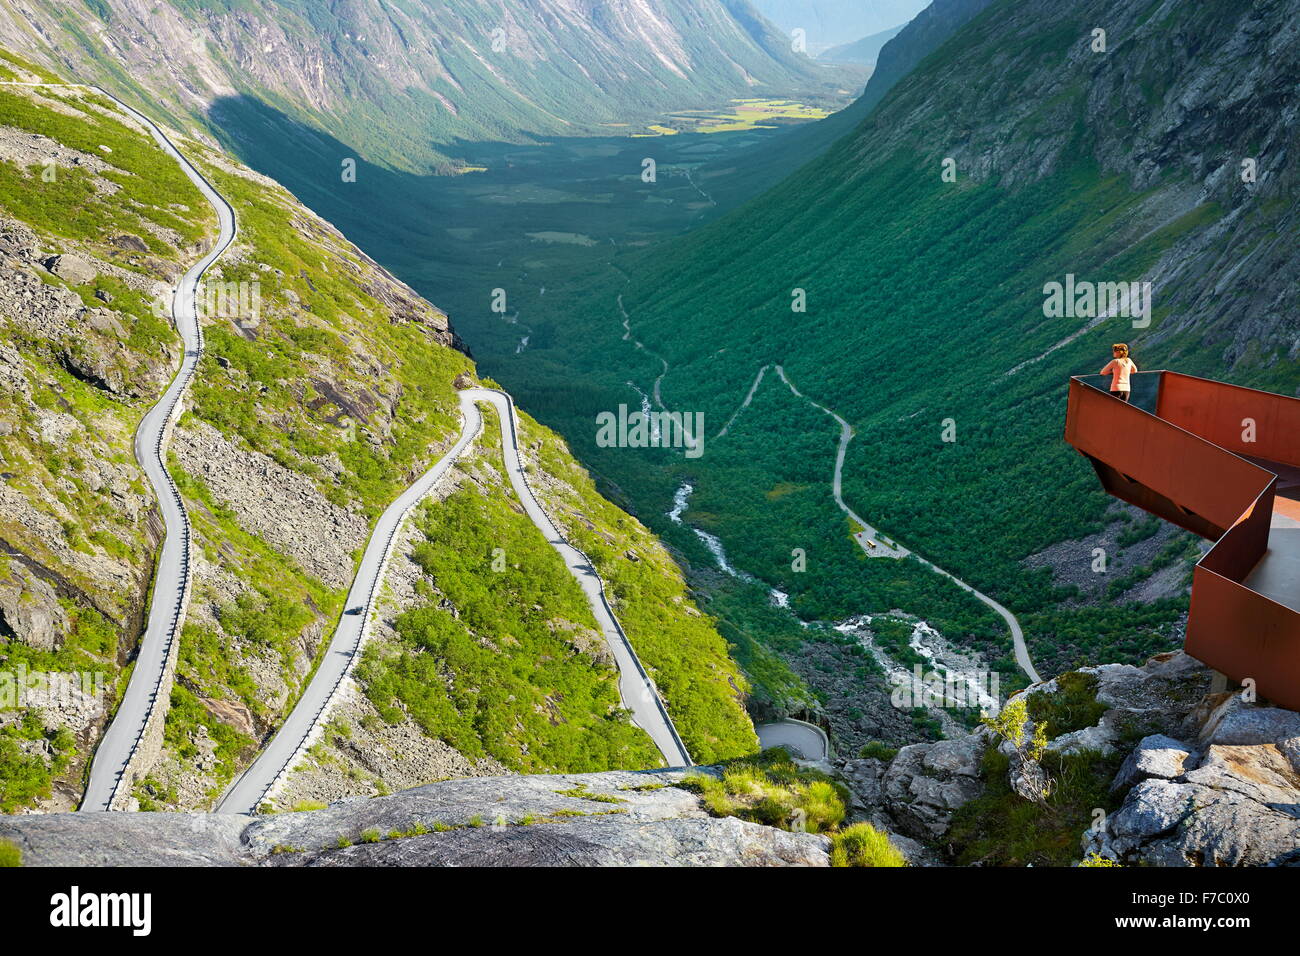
(1223, 462)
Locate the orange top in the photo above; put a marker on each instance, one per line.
(1120, 370)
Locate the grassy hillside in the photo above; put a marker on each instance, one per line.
(307, 416)
(679, 646)
(504, 663)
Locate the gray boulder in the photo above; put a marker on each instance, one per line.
(1237, 722)
(1155, 756)
(927, 783)
(72, 268)
(1163, 823)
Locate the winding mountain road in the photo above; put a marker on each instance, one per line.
(635, 687)
(171, 580)
(895, 550)
(273, 764)
(869, 538)
(172, 577)
(251, 788)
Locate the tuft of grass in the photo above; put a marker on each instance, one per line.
(304, 805)
(769, 789)
(10, 855)
(864, 845)
(582, 793)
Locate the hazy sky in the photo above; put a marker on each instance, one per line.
(832, 22)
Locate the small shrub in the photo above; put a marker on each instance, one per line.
(1074, 705)
(878, 750)
(10, 855)
(1096, 859)
(770, 789)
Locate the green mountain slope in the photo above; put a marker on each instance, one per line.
(925, 308)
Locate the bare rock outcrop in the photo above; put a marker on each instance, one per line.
(1208, 779)
(30, 611)
(926, 783)
(1234, 801)
(617, 818)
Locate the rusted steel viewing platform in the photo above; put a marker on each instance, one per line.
(1223, 462)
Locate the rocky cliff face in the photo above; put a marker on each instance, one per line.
(1183, 776)
(627, 819)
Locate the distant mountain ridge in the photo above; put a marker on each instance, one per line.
(865, 50)
(897, 57)
(403, 82)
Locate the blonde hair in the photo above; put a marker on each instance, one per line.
(1121, 348)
